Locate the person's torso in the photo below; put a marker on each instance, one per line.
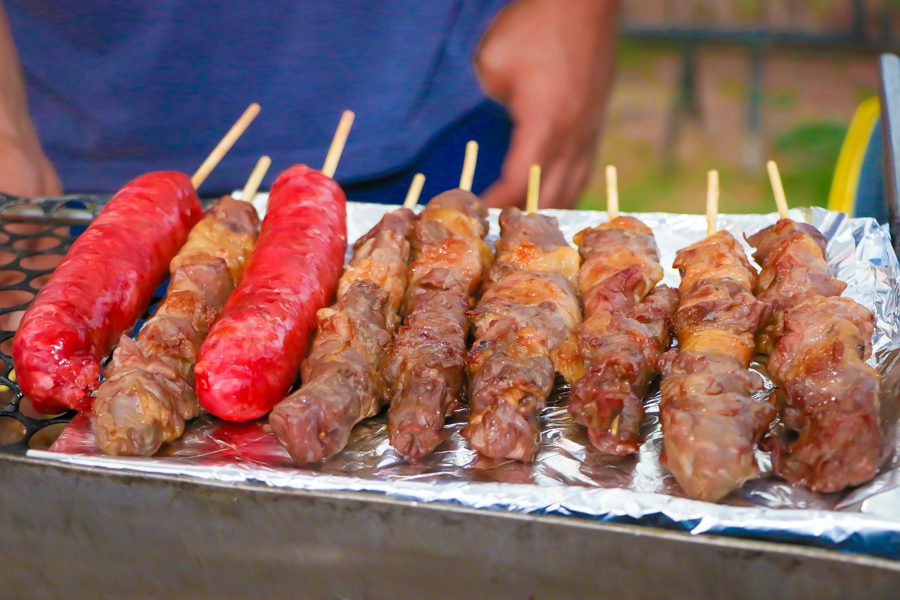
(118, 87)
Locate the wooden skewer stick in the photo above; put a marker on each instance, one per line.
(532, 201)
(337, 143)
(256, 177)
(612, 193)
(415, 190)
(468, 170)
(712, 201)
(777, 189)
(222, 148)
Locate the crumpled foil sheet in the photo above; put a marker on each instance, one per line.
(568, 477)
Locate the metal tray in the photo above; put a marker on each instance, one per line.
(93, 531)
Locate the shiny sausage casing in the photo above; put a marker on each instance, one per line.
(101, 288)
(252, 355)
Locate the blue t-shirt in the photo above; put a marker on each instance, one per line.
(120, 87)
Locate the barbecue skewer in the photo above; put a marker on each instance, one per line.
(252, 355)
(342, 377)
(777, 188)
(224, 145)
(710, 420)
(255, 179)
(533, 199)
(612, 193)
(415, 190)
(626, 327)
(524, 331)
(425, 365)
(829, 437)
(148, 394)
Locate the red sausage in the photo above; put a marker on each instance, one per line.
(252, 354)
(101, 288)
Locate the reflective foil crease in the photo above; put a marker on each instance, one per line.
(568, 476)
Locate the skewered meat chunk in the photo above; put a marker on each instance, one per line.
(624, 331)
(829, 437)
(792, 256)
(149, 392)
(425, 366)
(710, 420)
(342, 382)
(524, 328)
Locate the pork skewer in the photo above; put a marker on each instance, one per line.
(426, 364)
(524, 329)
(148, 394)
(106, 282)
(342, 380)
(252, 354)
(710, 420)
(829, 437)
(625, 330)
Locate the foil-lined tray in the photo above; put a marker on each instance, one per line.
(568, 477)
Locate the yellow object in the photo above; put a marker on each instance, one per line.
(846, 173)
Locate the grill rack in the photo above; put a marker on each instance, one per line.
(29, 231)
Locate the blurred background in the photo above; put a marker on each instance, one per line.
(728, 84)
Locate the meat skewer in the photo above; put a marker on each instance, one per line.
(342, 380)
(148, 394)
(252, 354)
(524, 329)
(106, 282)
(829, 437)
(625, 330)
(710, 420)
(425, 368)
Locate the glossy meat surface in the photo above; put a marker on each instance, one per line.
(100, 290)
(425, 366)
(251, 357)
(792, 256)
(342, 379)
(149, 392)
(623, 333)
(829, 437)
(524, 330)
(711, 422)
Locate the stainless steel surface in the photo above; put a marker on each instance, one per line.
(85, 532)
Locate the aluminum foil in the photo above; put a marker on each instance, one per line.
(568, 477)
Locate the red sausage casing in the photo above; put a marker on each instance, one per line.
(101, 288)
(252, 354)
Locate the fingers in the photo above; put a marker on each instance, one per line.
(526, 148)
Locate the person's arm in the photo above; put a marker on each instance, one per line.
(24, 169)
(551, 63)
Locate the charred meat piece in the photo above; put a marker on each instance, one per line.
(342, 381)
(624, 331)
(425, 366)
(149, 391)
(524, 329)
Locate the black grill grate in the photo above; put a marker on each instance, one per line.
(34, 237)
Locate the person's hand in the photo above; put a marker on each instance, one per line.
(550, 62)
(24, 170)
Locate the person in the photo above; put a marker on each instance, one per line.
(117, 88)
